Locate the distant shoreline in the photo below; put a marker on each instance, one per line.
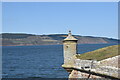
(56, 44)
(56, 39)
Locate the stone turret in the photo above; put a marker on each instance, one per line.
(70, 49)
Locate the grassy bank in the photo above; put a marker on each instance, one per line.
(101, 54)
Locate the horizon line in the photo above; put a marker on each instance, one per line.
(56, 33)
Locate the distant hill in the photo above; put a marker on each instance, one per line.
(102, 53)
(16, 39)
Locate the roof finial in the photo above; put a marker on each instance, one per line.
(70, 37)
(69, 33)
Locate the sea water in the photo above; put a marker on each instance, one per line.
(38, 61)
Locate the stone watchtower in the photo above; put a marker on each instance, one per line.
(70, 49)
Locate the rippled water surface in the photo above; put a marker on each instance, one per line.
(38, 61)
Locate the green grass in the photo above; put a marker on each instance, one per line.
(100, 54)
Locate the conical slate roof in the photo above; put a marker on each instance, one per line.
(70, 37)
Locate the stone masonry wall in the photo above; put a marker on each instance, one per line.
(105, 67)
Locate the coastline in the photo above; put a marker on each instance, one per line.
(57, 44)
